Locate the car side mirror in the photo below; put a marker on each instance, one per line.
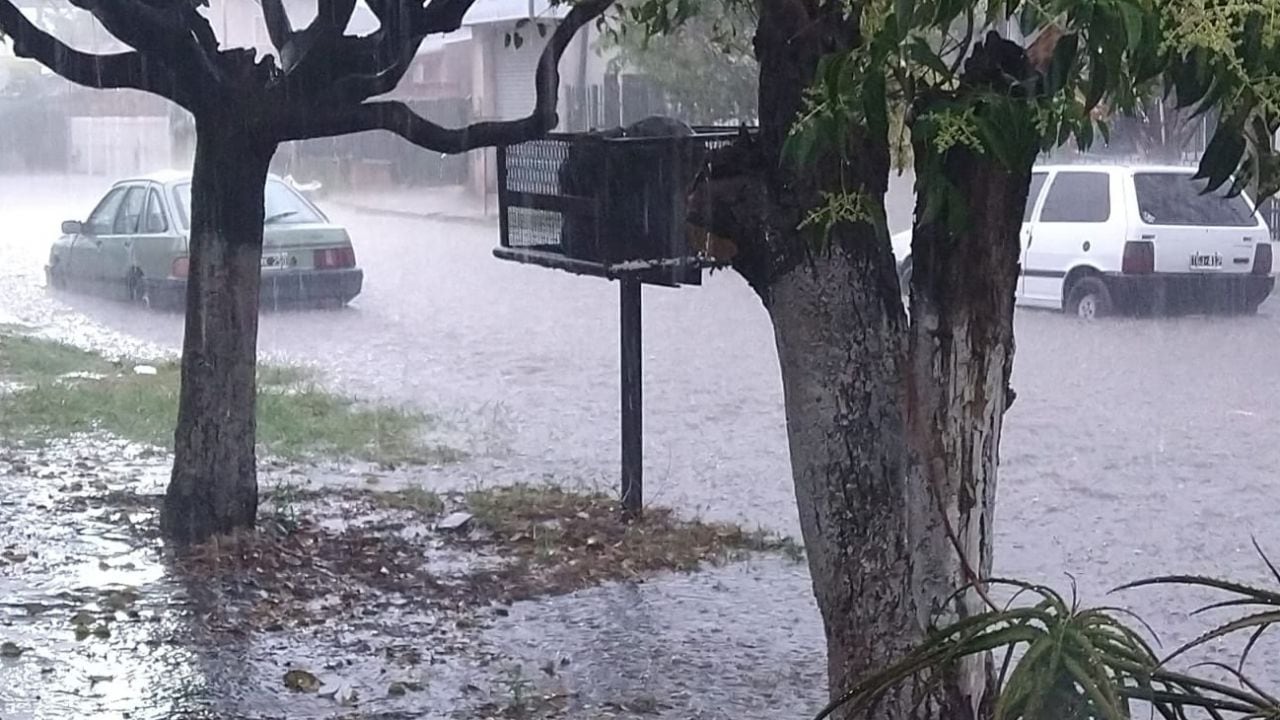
(72, 227)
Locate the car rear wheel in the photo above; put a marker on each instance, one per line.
(1089, 299)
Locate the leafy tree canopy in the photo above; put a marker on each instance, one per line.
(706, 68)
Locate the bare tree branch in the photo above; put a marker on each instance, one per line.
(179, 35)
(119, 70)
(300, 123)
(440, 16)
(279, 29)
(318, 39)
(396, 117)
(137, 24)
(404, 24)
(333, 16)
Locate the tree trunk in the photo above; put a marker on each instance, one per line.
(894, 430)
(214, 486)
(841, 348)
(893, 425)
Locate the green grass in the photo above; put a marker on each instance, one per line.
(296, 418)
(415, 498)
(26, 360)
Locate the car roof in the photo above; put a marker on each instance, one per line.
(1117, 168)
(171, 177)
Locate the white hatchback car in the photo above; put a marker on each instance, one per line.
(1119, 238)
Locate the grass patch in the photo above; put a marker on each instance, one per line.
(564, 540)
(417, 499)
(26, 359)
(296, 418)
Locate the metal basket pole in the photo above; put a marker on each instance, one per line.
(632, 412)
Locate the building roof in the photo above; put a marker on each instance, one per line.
(492, 11)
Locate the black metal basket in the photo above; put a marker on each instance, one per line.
(604, 206)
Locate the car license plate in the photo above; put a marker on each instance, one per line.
(1206, 261)
(274, 261)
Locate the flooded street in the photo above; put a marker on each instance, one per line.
(1135, 447)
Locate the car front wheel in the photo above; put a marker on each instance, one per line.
(55, 278)
(1089, 299)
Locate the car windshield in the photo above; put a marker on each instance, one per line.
(1170, 198)
(283, 205)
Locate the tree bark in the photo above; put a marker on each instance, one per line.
(841, 350)
(893, 429)
(213, 488)
(893, 424)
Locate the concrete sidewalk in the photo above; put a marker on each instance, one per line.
(450, 204)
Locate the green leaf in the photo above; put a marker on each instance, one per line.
(1099, 76)
(1252, 45)
(1084, 135)
(905, 11)
(1206, 582)
(1062, 64)
(919, 52)
(1221, 157)
(1192, 78)
(1260, 620)
(797, 149)
(1132, 18)
(996, 139)
(875, 106)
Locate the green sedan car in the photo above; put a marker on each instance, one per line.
(134, 246)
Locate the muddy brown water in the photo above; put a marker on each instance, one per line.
(1134, 447)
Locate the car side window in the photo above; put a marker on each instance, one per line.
(155, 222)
(102, 219)
(1078, 197)
(1037, 186)
(130, 211)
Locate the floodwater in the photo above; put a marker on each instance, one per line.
(1134, 448)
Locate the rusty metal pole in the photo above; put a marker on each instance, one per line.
(632, 413)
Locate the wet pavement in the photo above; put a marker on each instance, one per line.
(1134, 448)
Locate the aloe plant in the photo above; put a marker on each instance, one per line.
(1060, 661)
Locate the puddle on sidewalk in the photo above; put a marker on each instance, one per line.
(96, 621)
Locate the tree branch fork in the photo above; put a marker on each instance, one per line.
(326, 83)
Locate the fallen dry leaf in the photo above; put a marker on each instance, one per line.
(301, 681)
(11, 649)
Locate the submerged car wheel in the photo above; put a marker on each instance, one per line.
(1089, 299)
(55, 278)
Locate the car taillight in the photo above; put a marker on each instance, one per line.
(181, 267)
(1262, 259)
(1139, 258)
(334, 258)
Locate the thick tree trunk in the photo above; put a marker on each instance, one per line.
(894, 430)
(841, 342)
(893, 425)
(214, 487)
